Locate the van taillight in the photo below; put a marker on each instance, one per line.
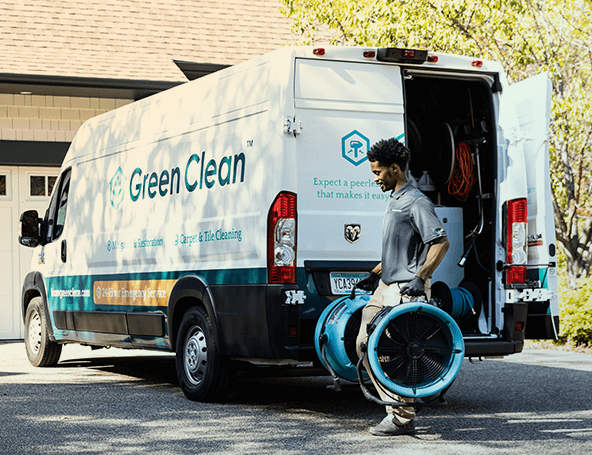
(516, 229)
(281, 239)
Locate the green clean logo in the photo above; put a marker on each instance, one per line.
(197, 173)
(116, 188)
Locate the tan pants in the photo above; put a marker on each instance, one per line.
(386, 295)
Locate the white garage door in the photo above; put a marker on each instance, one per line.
(21, 188)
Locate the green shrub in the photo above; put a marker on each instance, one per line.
(575, 312)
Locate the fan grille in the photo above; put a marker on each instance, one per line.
(415, 349)
(352, 328)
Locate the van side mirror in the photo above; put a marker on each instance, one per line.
(29, 227)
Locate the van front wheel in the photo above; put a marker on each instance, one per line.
(41, 351)
(204, 374)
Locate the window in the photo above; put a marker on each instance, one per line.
(41, 185)
(3, 191)
(56, 214)
(62, 205)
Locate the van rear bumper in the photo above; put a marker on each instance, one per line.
(492, 348)
(262, 321)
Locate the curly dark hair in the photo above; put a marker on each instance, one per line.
(388, 152)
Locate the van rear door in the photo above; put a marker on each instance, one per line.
(532, 103)
(344, 108)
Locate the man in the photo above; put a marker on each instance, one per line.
(413, 245)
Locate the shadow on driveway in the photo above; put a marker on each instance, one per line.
(133, 405)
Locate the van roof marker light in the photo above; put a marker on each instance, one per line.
(477, 63)
(433, 59)
(369, 54)
(318, 51)
(397, 55)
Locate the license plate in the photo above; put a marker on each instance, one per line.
(342, 283)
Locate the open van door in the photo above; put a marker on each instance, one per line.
(344, 108)
(532, 103)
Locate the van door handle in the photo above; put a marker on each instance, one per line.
(64, 254)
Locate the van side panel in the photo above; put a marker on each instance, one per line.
(177, 184)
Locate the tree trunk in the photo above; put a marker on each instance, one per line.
(577, 253)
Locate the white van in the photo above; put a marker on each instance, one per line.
(219, 218)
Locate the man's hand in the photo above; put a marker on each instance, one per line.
(415, 288)
(368, 283)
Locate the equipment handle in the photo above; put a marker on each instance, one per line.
(336, 383)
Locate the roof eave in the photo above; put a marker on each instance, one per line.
(82, 86)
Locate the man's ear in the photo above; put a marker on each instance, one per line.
(395, 167)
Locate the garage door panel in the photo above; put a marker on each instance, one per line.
(6, 239)
(16, 196)
(8, 323)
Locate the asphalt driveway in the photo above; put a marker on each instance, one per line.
(127, 402)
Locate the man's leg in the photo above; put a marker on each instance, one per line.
(385, 295)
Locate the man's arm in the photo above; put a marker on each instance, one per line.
(378, 269)
(436, 253)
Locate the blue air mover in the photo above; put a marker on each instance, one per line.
(415, 349)
(335, 336)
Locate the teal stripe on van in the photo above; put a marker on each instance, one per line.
(225, 276)
(78, 291)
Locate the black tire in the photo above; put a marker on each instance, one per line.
(204, 375)
(41, 351)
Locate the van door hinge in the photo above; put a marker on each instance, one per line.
(292, 126)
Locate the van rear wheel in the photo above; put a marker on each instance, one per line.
(41, 351)
(204, 374)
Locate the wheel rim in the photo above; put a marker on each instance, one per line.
(34, 332)
(195, 357)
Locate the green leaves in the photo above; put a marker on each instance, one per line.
(575, 314)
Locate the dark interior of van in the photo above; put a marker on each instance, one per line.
(452, 140)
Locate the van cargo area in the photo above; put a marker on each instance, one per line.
(443, 114)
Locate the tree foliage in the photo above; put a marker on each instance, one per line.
(527, 37)
(575, 312)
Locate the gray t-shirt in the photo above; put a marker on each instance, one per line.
(410, 223)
